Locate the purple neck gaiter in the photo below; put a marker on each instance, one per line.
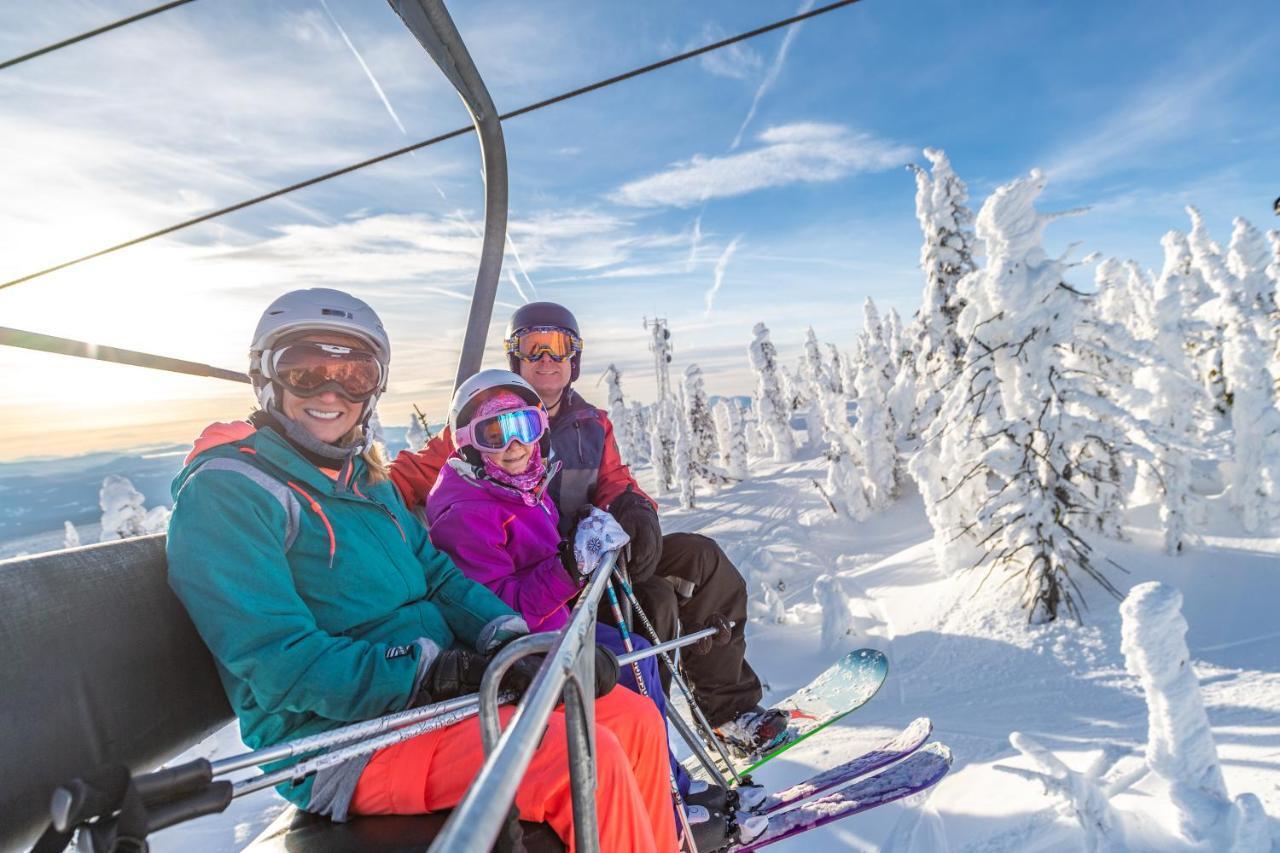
(528, 482)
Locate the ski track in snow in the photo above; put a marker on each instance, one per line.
(969, 661)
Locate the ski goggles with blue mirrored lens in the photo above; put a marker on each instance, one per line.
(496, 432)
(532, 343)
(308, 368)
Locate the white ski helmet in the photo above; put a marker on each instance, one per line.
(474, 390)
(317, 309)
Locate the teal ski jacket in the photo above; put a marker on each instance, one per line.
(322, 600)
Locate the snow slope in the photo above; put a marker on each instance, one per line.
(972, 664)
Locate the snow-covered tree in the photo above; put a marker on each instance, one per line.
(1254, 472)
(839, 626)
(1008, 426)
(702, 426)
(70, 536)
(1176, 402)
(619, 414)
(416, 434)
(874, 430)
(773, 412)
(375, 431)
(686, 463)
(1180, 747)
(1207, 349)
(732, 437)
(946, 257)
(662, 444)
(123, 511)
(638, 421)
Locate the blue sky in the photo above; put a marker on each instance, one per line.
(778, 164)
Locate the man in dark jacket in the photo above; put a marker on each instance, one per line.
(680, 579)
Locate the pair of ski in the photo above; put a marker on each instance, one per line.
(905, 763)
(911, 766)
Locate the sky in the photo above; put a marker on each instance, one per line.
(765, 182)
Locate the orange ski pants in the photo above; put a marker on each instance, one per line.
(431, 772)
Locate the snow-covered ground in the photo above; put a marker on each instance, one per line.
(972, 664)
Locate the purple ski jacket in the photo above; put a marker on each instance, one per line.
(498, 540)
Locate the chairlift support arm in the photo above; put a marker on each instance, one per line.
(431, 25)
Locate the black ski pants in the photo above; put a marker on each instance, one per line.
(694, 580)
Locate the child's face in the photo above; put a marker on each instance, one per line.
(513, 460)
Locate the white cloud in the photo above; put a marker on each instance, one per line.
(771, 76)
(1171, 106)
(737, 61)
(806, 152)
(722, 265)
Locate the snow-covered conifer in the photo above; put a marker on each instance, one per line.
(1176, 401)
(1180, 747)
(774, 414)
(1001, 480)
(835, 367)
(774, 604)
(662, 445)
(638, 423)
(374, 429)
(1254, 472)
(732, 437)
(620, 416)
(702, 427)
(70, 536)
(416, 434)
(874, 430)
(946, 257)
(839, 626)
(1208, 348)
(684, 454)
(123, 511)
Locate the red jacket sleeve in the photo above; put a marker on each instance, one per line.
(415, 473)
(614, 477)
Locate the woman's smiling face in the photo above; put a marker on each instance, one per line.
(328, 416)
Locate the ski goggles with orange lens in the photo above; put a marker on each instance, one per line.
(496, 432)
(307, 369)
(531, 344)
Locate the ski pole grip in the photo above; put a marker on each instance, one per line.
(212, 800)
(174, 781)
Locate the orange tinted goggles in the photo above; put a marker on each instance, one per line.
(532, 344)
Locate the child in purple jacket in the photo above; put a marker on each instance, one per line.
(490, 511)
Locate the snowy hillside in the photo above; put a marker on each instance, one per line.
(980, 672)
(974, 666)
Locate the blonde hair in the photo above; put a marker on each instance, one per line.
(374, 456)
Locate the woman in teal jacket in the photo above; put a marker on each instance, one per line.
(324, 603)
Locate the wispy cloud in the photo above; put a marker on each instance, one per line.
(806, 152)
(1169, 108)
(771, 76)
(373, 81)
(737, 61)
(722, 265)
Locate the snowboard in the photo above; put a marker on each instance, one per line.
(845, 686)
(916, 773)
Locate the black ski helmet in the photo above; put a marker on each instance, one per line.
(544, 314)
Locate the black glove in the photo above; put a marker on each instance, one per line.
(518, 678)
(721, 637)
(606, 670)
(521, 674)
(639, 519)
(455, 672)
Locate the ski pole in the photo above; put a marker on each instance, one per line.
(76, 801)
(698, 716)
(686, 830)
